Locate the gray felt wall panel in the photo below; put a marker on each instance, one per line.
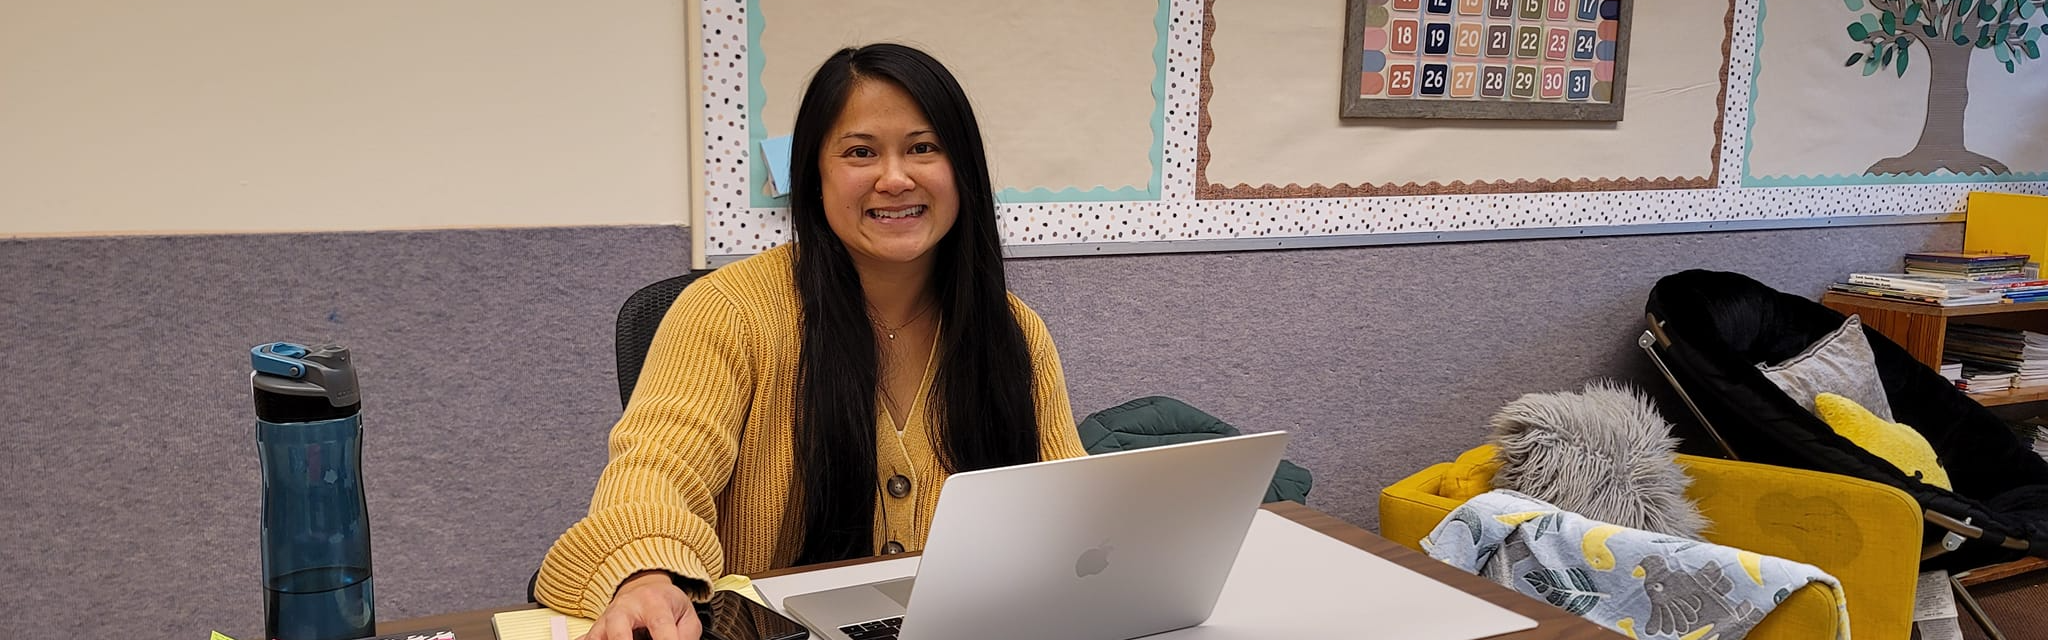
(129, 476)
(1384, 360)
(130, 479)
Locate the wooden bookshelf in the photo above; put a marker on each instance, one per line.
(1921, 329)
(2013, 396)
(1916, 308)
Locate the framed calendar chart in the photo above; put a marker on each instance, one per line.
(1486, 59)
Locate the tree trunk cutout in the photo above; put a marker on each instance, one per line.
(1941, 136)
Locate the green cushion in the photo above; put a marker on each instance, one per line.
(1157, 420)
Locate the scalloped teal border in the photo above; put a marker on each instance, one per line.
(1865, 179)
(756, 94)
(1756, 70)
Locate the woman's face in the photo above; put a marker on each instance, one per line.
(888, 187)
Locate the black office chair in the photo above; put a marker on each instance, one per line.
(633, 333)
(639, 318)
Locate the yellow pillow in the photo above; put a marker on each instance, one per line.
(1471, 474)
(1896, 443)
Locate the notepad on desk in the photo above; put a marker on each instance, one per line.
(548, 624)
(538, 624)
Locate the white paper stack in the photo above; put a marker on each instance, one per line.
(2033, 360)
(1986, 381)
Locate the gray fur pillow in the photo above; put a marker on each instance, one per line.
(1604, 453)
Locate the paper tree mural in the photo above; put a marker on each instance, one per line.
(1944, 34)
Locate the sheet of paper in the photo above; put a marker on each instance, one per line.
(421, 635)
(1939, 629)
(776, 152)
(1932, 598)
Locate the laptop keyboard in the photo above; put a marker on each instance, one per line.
(884, 629)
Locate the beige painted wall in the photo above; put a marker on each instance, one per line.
(289, 115)
(1273, 112)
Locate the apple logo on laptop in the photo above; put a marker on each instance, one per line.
(1092, 561)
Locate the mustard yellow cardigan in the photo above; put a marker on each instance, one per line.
(703, 459)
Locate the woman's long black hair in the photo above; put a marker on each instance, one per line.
(981, 411)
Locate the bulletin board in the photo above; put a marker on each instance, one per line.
(1097, 140)
(1863, 92)
(1119, 126)
(1256, 147)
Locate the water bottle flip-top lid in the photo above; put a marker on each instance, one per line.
(297, 370)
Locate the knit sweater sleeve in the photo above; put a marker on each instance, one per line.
(1058, 438)
(671, 454)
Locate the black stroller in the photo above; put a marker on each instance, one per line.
(1709, 330)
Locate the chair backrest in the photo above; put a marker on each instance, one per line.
(639, 318)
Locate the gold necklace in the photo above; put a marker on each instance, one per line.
(891, 332)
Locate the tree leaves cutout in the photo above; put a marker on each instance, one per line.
(2005, 27)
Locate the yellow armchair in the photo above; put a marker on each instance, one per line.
(1865, 534)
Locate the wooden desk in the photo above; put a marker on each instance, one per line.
(1552, 623)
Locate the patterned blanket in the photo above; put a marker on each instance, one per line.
(1642, 584)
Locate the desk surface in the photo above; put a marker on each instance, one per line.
(1552, 622)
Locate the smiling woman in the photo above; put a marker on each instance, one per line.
(800, 406)
(894, 217)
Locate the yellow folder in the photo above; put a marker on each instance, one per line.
(2008, 223)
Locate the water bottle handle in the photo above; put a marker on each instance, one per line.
(279, 359)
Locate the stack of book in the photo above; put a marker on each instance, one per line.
(2030, 291)
(1952, 369)
(1986, 380)
(1944, 290)
(1956, 264)
(2034, 430)
(1997, 359)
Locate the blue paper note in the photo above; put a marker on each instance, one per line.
(776, 152)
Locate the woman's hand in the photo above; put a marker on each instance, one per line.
(648, 600)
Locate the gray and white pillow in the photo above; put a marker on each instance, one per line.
(1840, 363)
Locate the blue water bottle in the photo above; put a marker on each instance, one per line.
(316, 528)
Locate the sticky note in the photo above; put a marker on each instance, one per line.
(776, 152)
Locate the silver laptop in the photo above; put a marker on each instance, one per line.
(1106, 547)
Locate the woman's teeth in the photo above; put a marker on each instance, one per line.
(899, 213)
